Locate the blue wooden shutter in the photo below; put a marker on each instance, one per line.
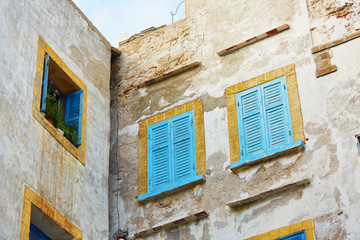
(37, 234)
(44, 83)
(159, 155)
(251, 132)
(276, 113)
(73, 112)
(295, 236)
(183, 151)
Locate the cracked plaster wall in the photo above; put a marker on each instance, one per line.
(330, 113)
(28, 153)
(333, 19)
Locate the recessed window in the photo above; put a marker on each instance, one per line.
(357, 136)
(295, 236)
(172, 150)
(40, 221)
(264, 117)
(264, 120)
(60, 101)
(297, 231)
(44, 228)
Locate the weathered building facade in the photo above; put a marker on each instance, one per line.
(237, 122)
(220, 66)
(46, 181)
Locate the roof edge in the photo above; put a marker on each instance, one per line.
(91, 25)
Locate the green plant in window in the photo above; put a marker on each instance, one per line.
(55, 111)
(70, 132)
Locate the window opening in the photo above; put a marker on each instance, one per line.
(61, 101)
(295, 236)
(44, 228)
(264, 119)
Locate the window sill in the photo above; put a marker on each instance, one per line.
(285, 149)
(269, 193)
(77, 152)
(171, 223)
(171, 189)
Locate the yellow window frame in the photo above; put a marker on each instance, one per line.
(31, 198)
(294, 104)
(43, 48)
(199, 139)
(307, 226)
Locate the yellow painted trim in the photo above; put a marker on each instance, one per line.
(77, 152)
(199, 138)
(31, 198)
(294, 103)
(307, 226)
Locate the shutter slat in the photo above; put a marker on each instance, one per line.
(182, 148)
(276, 124)
(160, 135)
(182, 159)
(44, 83)
(73, 112)
(161, 168)
(160, 154)
(250, 122)
(273, 95)
(250, 103)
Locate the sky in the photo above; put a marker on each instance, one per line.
(115, 17)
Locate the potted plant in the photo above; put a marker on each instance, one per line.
(70, 132)
(55, 114)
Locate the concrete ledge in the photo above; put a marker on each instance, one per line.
(171, 224)
(255, 39)
(267, 194)
(285, 149)
(168, 74)
(335, 43)
(171, 189)
(325, 71)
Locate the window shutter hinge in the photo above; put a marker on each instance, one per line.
(191, 121)
(284, 86)
(238, 104)
(289, 133)
(149, 136)
(193, 166)
(149, 180)
(242, 152)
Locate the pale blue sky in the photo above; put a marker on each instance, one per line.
(113, 17)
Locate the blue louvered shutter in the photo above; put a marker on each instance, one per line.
(295, 236)
(159, 159)
(37, 234)
(276, 113)
(44, 83)
(183, 151)
(251, 130)
(73, 112)
(34, 235)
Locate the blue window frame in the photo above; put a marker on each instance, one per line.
(171, 153)
(295, 236)
(37, 234)
(73, 105)
(264, 120)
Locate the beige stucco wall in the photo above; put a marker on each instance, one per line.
(329, 105)
(333, 20)
(29, 155)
